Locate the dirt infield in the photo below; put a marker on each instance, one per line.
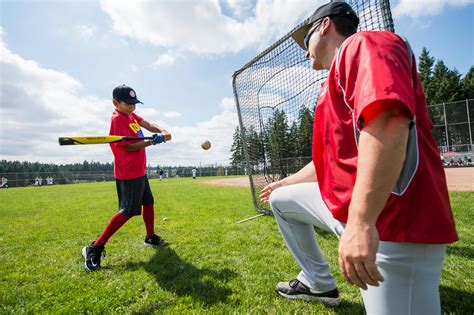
(459, 179)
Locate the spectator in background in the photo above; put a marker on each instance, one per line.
(160, 172)
(4, 182)
(194, 173)
(452, 162)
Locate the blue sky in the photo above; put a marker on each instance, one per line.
(60, 60)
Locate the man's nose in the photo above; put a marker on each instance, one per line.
(307, 54)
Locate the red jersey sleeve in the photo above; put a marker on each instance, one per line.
(138, 118)
(373, 68)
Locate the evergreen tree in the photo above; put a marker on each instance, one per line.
(256, 150)
(293, 143)
(277, 145)
(36, 167)
(305, 134)
(445, 83)
(425, 69)
(467, 84)
(237, 158)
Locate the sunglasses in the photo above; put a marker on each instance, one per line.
(310, 32)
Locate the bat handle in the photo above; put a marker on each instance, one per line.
(65, 141)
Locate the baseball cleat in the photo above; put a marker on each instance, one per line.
(295, 290)
(155, 240)
(92, 254)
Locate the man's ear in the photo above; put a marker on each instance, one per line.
(115, 102)
(325, 25)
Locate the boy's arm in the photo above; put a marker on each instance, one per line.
(152, 127)
(137, 146)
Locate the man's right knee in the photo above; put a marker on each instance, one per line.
(278, 199)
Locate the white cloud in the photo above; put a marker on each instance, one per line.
(39, 105)
(166, 59)
(171, 114)
(239, 7)
(185, 148)
(200, 26)
(86, 32)
(43, 104)
(152, 114)
(425, 7)
(227, 104)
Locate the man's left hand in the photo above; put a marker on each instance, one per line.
(357, 252)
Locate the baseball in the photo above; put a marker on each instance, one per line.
(206, 145)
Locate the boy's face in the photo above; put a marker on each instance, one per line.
(123, 107)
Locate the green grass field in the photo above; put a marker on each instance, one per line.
(212, 265)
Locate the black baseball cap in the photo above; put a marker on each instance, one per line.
(330, 9)
(126, 94)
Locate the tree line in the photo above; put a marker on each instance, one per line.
(284, 146)
(287, 146)
(442, 84)
(37, 167)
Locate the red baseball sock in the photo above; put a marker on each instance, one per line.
(148, 214)
(115, 223)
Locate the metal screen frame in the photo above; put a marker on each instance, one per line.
(382, 8)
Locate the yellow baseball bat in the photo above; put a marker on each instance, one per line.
(97, 139)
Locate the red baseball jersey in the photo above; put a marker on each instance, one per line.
(371, 67)
(127, 165)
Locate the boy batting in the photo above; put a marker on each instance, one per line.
(133, 190)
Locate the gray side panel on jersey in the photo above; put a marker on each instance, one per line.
(411, 159)
(410, 164)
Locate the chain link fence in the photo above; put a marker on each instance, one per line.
(52, 178)
(453, 124)
(8, 180)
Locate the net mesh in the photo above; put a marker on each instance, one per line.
(276, 93)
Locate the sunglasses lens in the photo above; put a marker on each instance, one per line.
(306, 41)
(309, 33)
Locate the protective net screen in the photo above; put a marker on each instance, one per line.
(276, 94)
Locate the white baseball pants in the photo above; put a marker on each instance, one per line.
(411, 271)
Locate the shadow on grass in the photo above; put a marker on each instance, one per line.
(462, 251)
(455, 301)
(184, 279)
(349, 308)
